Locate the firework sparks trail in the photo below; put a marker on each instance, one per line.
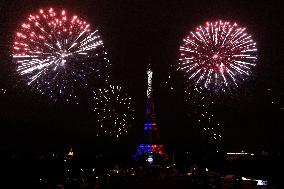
(113, 109)
(205, 116)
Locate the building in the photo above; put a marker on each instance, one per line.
(151, 150)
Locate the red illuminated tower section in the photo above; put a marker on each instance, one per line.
(151, 149)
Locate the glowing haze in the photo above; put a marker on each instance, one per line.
(217, 55)
(55, 52)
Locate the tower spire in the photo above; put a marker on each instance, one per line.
(149, 82)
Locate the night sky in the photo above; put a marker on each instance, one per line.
(136, 33)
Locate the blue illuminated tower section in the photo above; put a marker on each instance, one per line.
(151, 147)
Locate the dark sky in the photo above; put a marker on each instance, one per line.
(135, 32)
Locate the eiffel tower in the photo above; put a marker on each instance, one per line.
(151, 149)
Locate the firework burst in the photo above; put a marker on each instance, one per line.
(55, 53)
(113, 110)
(217, 56)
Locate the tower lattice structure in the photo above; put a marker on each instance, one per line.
(151, 146)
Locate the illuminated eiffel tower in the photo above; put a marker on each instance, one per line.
(151, 149)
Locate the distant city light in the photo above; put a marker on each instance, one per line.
(258, 182)
(150, 159)
(240, 153)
